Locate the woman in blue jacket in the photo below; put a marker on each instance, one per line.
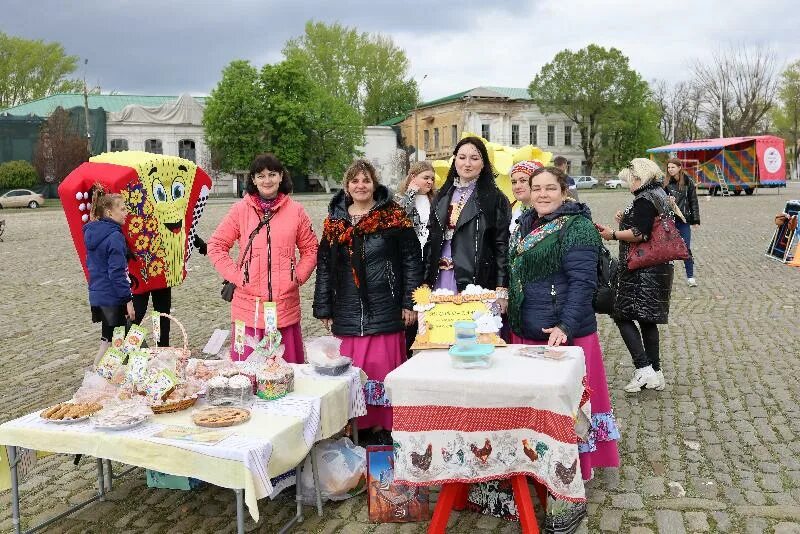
(107, 262)
(553, 268)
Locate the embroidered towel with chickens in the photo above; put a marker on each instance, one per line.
(523, 441)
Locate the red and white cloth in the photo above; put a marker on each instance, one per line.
(472, 425)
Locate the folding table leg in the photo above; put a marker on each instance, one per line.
(239, 511)
(101, 483)
(522, 497)
(12, 462)
(354, 429)
(109, 476)
(317, 490)
(441, 514)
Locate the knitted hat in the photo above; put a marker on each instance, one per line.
(526, 167)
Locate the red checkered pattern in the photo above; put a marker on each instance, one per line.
(454, 418)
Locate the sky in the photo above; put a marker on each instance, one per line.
(162, 47)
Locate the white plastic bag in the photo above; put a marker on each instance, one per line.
(342, 468)
(324, 351)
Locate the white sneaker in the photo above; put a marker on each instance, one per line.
(692, 282)
(644, 377)
(660, 382)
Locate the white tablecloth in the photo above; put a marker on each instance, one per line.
(472, 425)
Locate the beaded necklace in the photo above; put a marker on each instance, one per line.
(455, 211)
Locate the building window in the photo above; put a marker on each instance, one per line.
(454, 134)
(153, 146)
(551, 135)
(534, 134)
(485, 132)
(436, 138)
(186, 149)
(569, 167)
(584, 167)
(568, 134)
(118, 145)
(426, 139)
(515, 134)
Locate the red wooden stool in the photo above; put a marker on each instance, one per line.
(454, 497)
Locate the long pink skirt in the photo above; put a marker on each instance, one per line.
(600, 450)
(291, 339)
(377, 355)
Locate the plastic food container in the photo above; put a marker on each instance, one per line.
(471, 356)
(332, 370)
(466, 332)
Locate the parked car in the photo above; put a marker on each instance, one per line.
(585, 182)
(21, 198)
(616, 183)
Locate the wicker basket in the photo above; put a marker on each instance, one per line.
(180, 355)
(171, 407)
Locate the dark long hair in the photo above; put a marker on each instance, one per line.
(269, 162)
(487, 172)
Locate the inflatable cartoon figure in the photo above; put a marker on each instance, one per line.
(165, 196)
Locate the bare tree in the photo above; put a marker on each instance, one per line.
(742, 82)
(679, 105)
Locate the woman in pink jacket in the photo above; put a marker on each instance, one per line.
(267, 271)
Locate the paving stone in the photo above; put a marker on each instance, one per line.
(669, 522)
(722, 521)
(611, 520)
(628, 501)
(653, 486)
(755, 525)
(696, 522)
(787, 528)
(640, 530)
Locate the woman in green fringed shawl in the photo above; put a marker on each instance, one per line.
(553, 267)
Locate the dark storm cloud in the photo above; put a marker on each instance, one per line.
(164, 47)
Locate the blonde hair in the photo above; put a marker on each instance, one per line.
(417, 168)
(645, 170)
(102, 201)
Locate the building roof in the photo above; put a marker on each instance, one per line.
(505, 93)
(43, 107)
(394, 120)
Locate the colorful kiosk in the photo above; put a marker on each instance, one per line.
(731, 165)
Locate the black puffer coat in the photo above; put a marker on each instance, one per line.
(392, 267)
(480, 240)
(686, 199)
(643, 294)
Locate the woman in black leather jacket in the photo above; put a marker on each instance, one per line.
(368, 264)
(682, 188)
(642, 294)
(469, 223)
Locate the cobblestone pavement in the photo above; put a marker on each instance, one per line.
(714, 452)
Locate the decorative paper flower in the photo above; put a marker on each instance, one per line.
(147, 209)
(151, 224)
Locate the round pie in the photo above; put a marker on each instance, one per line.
(220, 416)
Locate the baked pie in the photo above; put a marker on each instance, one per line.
(220, 416)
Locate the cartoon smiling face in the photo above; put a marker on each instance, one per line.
(168, 182)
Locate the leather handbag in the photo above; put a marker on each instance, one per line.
(665, 245)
